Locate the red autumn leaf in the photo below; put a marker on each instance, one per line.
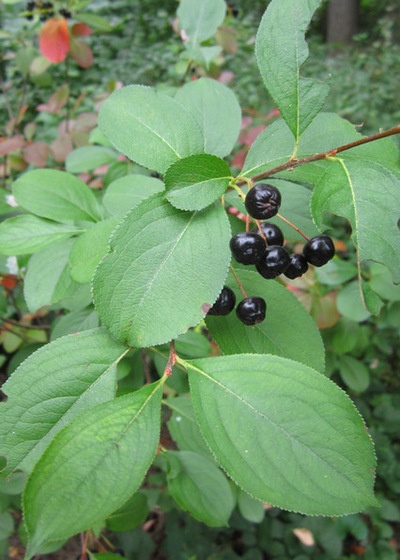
(54, 40)
(81, 30)
(37, 153)
(12, 144)
(9, 281)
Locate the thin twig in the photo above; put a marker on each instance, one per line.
(292, 163)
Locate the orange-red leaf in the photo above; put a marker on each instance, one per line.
(54, 39)
(81, 30)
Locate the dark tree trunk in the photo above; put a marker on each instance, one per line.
(342, 20)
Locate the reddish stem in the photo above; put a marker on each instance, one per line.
(292, 163)
(293, 226)
(238, 282)
(171, 359)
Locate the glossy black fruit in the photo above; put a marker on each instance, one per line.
(319, 250)
(224, 304)
(273, 233)
(274, 262)
(263, 201)
(297, 267)
(65, 13)
(247, 247)
(251, 310)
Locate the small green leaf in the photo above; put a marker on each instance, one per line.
(69, 376)
(284, 433)
(195, 182)
(354, 373)
(47, 277)
(200, 19)
(251, 509)
(93, 20)
(217, 112)
(381, 283)
(368, 195)
(92, 467)
(149, 127)
(199, 487)
(87, 158)
(350, 303)
(126, 192)
(287, 330)
(132, 514)
(281, 50)
(89, 248)
(274, 146)
(25, 234)
(143, 289)
(183, 427)
(74, 322)
(56, 195)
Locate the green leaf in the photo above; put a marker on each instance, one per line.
(183, 427)
(199, 487)
(280, 51)
(69, 376)
(251, 509)
(350, 303)
(87, 158)
(93, 20)
(274, 146)
(149, 127)
(56, 195)
(144, 289)
(200, 19)
(368, 195)
(217, 112)
(74, 322)
(89, 248)
(287, 331)
(126, 192)
(354, 373)
(47, 278)
(195, 182)
(284, 433)
(92, 467)
(25, 234)
(132, 514)
(381, 283)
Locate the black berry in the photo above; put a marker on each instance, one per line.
(263, 201)
(65, 13)
(224, 304)
(319, 250)
(274, 262)
(297, 267)
(247, 247)
(31, 6)
(251, 310)
(273, 233)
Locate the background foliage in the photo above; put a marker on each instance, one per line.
(362, 350)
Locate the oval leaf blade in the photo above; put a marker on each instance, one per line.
(26, 234)
(199, 487)
(70, 375)
(195, 182)
(143, 289)
(116, 443)
(284, 433)
(56, 195)
(217, 112)
(150, 128)
(368, 195)
(280, 51)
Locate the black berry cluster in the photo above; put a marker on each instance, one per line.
(44, 10)
(264, 248)
(251, 310)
